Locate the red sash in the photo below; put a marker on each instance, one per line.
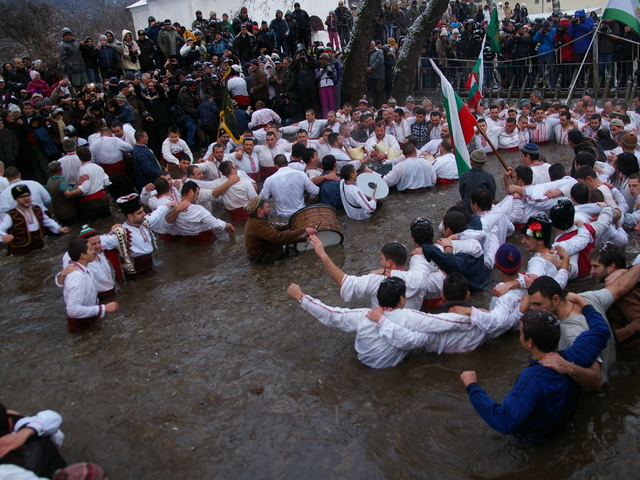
(94, 196)
(107, 294)
(255, 176)
(432, 303)
(446, 181)
(243, 100)
(203, 238)
(76, 325)
(167, 237)
(510, 149)
(266, 172)
(113, 169)
(239, 214)
(584, 266)
(143, 264)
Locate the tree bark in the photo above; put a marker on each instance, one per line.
(555, 4)
(404, 75)
(354, 83)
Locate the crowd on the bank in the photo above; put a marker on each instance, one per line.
(137, 140)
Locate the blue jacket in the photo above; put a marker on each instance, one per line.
(543, 401)
(145, 166)
(220, 47)
(107, 58)
(575, 31)
(208, 113)
(547, 42)
(471, 268)
(330, 193)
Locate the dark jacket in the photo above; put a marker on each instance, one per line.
(471, 268)
(87, 56)
(70, 56)
(145, 166)
(187, 102)
(107, 58)
(208, 113)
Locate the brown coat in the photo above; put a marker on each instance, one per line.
(259, 87)
(264, 241)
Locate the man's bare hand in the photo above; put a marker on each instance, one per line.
(111, 307)
(295, 292)
(579, 300)
(149, 187)
(469, 377)
(13, 441)
(460, 310)
(230, 229)
(375, 314)
(557, 363)
(552, 258)
(82, 179)
(317, 245)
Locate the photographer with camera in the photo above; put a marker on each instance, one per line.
(561, 39)
(518, 46)
(546, 50)
(327, 76)
(606, 47)
(580, 28)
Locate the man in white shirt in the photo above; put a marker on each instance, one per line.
(432, 147)
(247, 160)
(267, 152)
(94, 203)
(287, 187)
(70, 162)
(194, 222)
(562, 129)
(380, 137)
(107, 151)
(342, 158)
(481, 141)
(355, 203)
(414, 173)
(39, 195)
(400, 127)
(238, 194)
(543, 132)
(311, 125)
(262, 116)
(530, 157)
(80, 294)
(445, 166)
(508, 138)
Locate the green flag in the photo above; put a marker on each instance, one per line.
(494, 32)
(228, 116)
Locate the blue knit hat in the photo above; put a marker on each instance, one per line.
(508, 258)
(530, 149)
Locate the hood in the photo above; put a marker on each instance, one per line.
(66, 30)
(124, 32)
(288, 13)
(111, 32)
(278, 11)
(565, 22)
(580, 13)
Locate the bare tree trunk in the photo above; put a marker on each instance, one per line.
(355, 76)
(405, 71)
(555, 4)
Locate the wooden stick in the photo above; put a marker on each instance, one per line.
(494, 149)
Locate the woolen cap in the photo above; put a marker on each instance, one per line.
(253, 204)
(562, 214)
(508, 258)
(478, 156)
(617, 122)
(129, 203)
(68, 144)
(530, 149)
(86, 232)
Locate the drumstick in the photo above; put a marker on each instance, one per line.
(375, 187)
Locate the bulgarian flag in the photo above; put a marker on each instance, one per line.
(625, 11)
(476, 79)
(460, 120)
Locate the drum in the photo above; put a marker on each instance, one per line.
(322, 218)
(367, 182)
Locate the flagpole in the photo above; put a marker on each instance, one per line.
(494, 149)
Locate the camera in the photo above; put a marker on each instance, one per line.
(560, 30)
(329, 69)
(575, 20)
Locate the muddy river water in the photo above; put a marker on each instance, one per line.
(209, 371)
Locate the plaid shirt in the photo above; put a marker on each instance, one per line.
(421, 132)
